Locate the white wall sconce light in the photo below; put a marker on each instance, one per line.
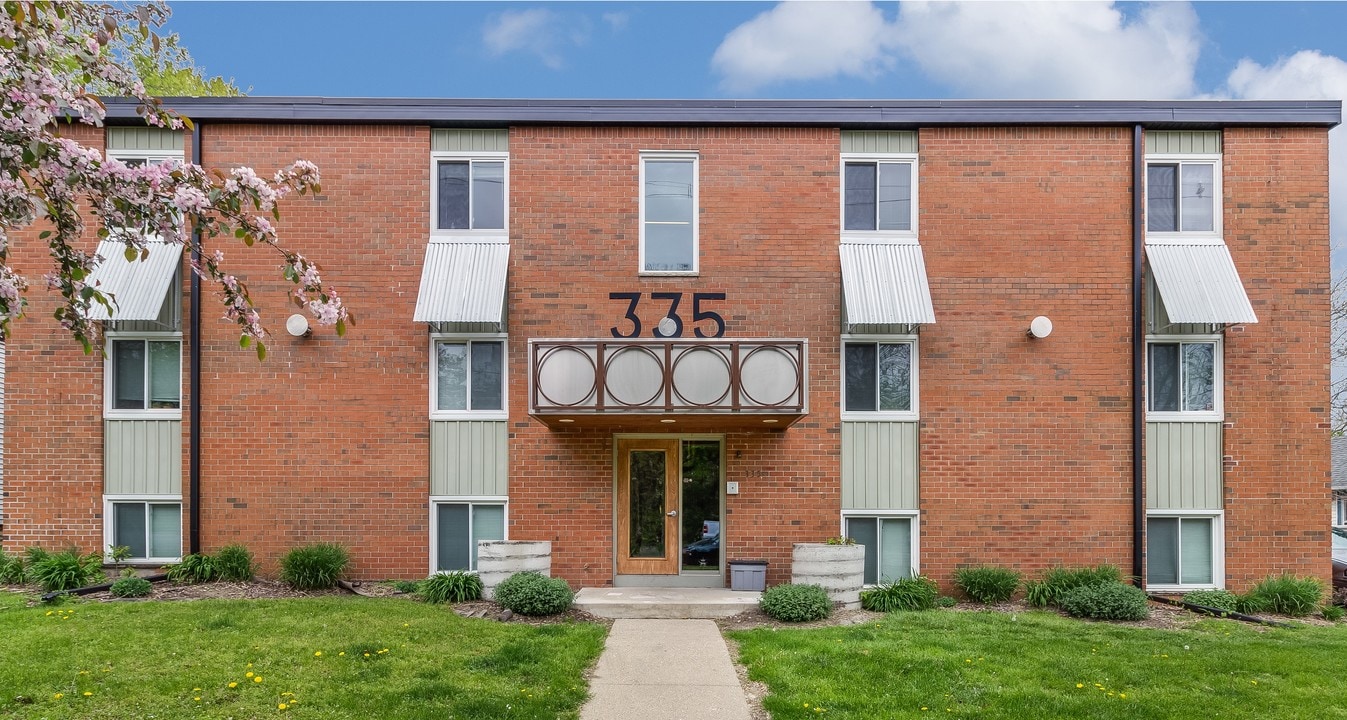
(1040, 327)
(298, 326)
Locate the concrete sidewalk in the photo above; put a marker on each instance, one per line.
(665, 670)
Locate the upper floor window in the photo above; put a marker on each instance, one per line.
(469, 376)
(1183, 377)
(1183, 195)
(144, 376)
(880, 378)
(469, 193)
(878, 195)
(669, 213)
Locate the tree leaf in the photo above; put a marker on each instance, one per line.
(261, 351)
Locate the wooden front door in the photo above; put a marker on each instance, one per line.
(647, 507)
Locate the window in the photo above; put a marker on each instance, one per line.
(458, 527)
(1340, 511)
(878, 195)
(469, 194)
(880, 378)
(1183, 551)
(469, 376)
(1183, 196)
(669, 213)
(144, 376)
(889, 546)
(1183, 377)
(151, 529)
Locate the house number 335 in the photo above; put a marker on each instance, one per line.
(707, 323)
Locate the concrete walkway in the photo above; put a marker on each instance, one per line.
(665, 670)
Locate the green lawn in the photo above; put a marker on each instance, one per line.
(1039, 665)
(334, 657)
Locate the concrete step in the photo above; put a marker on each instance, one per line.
(664, 603)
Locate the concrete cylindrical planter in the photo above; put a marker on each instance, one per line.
(499, 559)
(840, 569)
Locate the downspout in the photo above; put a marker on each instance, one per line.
(194, 379)
(1138, 362)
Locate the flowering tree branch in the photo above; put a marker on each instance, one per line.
(50, 53)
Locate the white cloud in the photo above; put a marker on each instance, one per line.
(538, 31)
(805, 41)
(617, 21)
(1076, 50)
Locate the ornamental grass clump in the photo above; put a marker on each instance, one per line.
(65, 570)
(314, 567)
(129, 587)
(1056, 581)
(11, 569)
(912, 593)
(234, 563)
(531, 593)
(1214, 599)
(194, 568)
(1285, 594)
(987, 584)
(796, 603)
(1107, 601)
(452, 587)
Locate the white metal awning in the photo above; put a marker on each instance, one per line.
(136, 287)
(885, 284)
(1198, 283)
(463, 282)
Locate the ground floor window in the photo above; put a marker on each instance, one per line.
(1183, 551)
(458, 527)
(152, 529)
(1340, 511)
(889, 546)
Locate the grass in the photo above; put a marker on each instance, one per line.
(1041, 665)
(339, 657)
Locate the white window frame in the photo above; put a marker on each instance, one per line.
(469, 500)
(672, 155)
(109, 377)
(151, 157)
(913, 515)
(497, 235)
(1217, 413)
(905, 237)
(468, 338)
(1217, 518)
(1206, 237)
(1340, 511)
(110, 536)
(913, 391)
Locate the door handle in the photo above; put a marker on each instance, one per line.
(672, 513)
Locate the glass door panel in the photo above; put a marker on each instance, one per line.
(701, 506)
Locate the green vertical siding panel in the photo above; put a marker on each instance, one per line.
(1187, 142)
(879, 465)
(142, 457)
(145, 138)
(1183, 465)
(864, 141)
(468, 457)
(460, 140)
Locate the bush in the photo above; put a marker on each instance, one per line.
(1333, 613)
(1058, 580)
(913, 593)
(796, 603)
(194, 568)
(1286, 595)
(453, 587)
(1340, 597)
(406, 586)
(314, 567)
(988, 583)
(131, 587)
(529, 593)
(234, 563)
(1215, 599)
(11, 569)
(66, 570)
(1107, 601)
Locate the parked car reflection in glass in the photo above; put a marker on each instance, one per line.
(704, 553)
(1339, 557)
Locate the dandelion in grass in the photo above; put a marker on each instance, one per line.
(1080, 685)
(198, 698)
(257, 679)
(282, 706)
(58, 696)
(341, 654)
(88, 694)
(248, 674)
(233, 685)
(318, 653)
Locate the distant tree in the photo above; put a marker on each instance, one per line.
(1338, 344)
(51, 54)
(166, 69)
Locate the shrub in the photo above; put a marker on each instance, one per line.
(1340, 597)
(131, 587)
(1215, 599)
(234, 563)
(453, 587)
(1107, 601)
(1285, 594)
(913, 593)
(1333, 613)
(988, 583)
(314, 567)
(945, 601)
(796, 603)
(66, 570)
(406, 586)
(1056, 581)
(530, 593)
(194, 568)
(11, 569)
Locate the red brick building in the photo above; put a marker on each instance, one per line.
(669, 335)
